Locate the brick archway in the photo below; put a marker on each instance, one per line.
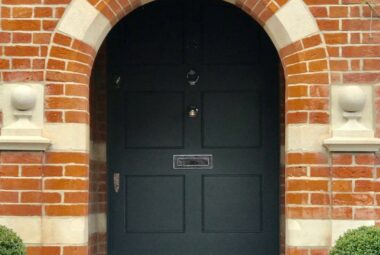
(301, 48)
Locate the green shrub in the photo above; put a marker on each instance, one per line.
(10, 243)
(361, 241)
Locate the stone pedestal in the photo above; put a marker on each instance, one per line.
(23, 117)
(352, 120)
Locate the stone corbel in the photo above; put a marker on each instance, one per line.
(352, 120)
(23, 111)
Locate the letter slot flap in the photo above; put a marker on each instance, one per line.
(193, 161)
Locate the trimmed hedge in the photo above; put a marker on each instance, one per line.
(360, 241)
(10, 242)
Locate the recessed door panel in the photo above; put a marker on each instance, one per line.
(231, 203)
(155, 204)
(231, 119)
(239, 41)
(157, 117)
(156, 40)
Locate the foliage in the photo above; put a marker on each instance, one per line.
(10, 243)
(360, 241)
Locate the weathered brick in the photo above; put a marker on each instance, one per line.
(65, 184)
(21, 25)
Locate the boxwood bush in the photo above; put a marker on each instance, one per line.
(360, 241)
(10, 243)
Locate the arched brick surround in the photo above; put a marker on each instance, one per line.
(305, 60)
(302, 51)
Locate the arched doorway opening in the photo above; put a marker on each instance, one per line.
(237, 99)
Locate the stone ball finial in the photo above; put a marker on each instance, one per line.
(352, 99)
(23, 97)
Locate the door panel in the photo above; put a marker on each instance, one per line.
(231, 203)
(163, 44)
(155, 204)
(157, 117)
(239, 41)
(231, 119)
(231, 208)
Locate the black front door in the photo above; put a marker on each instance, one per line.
(193, 133)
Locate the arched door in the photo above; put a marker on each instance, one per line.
(193, 147)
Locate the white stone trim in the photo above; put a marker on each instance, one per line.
(97, 223)
(49, 230)
(28, 228)
(65, 230)
(352, 145)
(23, 143)
(339, 227)
(75, 230)
(292, 22)
(98, 151)
(231, 1)
(144, 2)
(308, 233)
(314, 233)
(306, 137)
(84, 22)
(68, 136)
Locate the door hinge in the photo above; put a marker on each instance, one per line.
(116, 182)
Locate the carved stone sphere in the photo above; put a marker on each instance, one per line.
(352, 99)
(23, 98)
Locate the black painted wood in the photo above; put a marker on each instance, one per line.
(232, 209)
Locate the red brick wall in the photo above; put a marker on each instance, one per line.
(44, 184)
(57, 183)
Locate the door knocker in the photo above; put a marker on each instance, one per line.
(192, 77)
